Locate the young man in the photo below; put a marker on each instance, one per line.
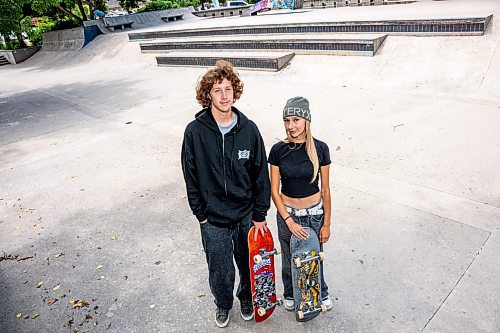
(225, 169)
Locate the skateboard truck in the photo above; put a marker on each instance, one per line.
(298, 262)
(264, 254)
(262, 311)
(300, 313)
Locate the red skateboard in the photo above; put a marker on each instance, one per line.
(262, 276)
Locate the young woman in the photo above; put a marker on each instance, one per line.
(300, 162)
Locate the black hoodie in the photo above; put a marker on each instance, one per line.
(225, 179)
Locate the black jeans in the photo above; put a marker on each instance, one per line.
(314, 222)
(220, 245)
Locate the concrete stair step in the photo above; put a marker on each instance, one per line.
(352, 46)
(273, 62)
(456, 26)
(3, 61)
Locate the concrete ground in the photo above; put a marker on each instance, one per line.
(92, 201)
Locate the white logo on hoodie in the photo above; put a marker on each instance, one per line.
(243, 154)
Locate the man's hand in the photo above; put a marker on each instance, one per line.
(259, 226)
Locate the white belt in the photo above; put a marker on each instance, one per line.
(315, 210)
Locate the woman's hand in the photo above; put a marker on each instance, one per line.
(324, 234)
(296, 229)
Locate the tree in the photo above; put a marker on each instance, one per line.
(12, 12)
(128, 5)
(67, 6)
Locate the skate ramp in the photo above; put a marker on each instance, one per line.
(147, 19)
(69, 39)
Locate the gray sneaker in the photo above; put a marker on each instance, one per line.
(221, 317)
(246, 310)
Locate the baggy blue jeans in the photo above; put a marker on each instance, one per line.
(220, 245)
(314, 222)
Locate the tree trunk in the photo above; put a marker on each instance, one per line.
(82, 10)
(79, 19)
(20, 39)
(19, 36)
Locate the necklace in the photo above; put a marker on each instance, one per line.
(296, 146)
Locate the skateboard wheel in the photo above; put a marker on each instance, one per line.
(278, 251)
(321, 256)
(280, 301)
(323, 308)
(257, 258)
(300, 313)
(297, 262)
(261, 312)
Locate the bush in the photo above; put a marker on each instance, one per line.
(168, 4)
(35, 34)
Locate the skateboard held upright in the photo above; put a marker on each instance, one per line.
(262, 275)
(306, 272)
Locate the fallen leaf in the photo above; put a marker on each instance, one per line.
(200, 295)
(113, 237)
(35, 316)
(95, 323)
(80, 304)
(56, 287)
(152, 306)
(18, 228)
(71, 301)
(35, 225)
(39, 284)
(52, 301)
(100, 277)
(99, 266)
(19, 315)
(58, 255)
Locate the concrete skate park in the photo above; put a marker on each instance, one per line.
(95, 230)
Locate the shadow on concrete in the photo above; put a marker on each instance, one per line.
(36, 112)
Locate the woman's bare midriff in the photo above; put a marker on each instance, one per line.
(301, 203)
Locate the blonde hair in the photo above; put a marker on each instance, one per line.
(310, 149)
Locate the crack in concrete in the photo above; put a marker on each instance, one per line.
(456, 284)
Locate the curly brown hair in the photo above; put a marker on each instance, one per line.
(223, 70)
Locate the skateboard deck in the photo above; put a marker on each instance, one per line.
(261, 253)
(306, 271)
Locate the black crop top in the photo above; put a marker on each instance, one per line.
(295, 167)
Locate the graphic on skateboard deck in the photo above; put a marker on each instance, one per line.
(306, 271)
(261, 253)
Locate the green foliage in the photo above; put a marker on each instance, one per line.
(168, 4)
(35, 34)
(128, 5)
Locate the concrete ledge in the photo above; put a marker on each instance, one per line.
(311, 4)
(436, 27)
(267, 63)
(17, 56)
(222, 12)
(143, 19)
(363, 47)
